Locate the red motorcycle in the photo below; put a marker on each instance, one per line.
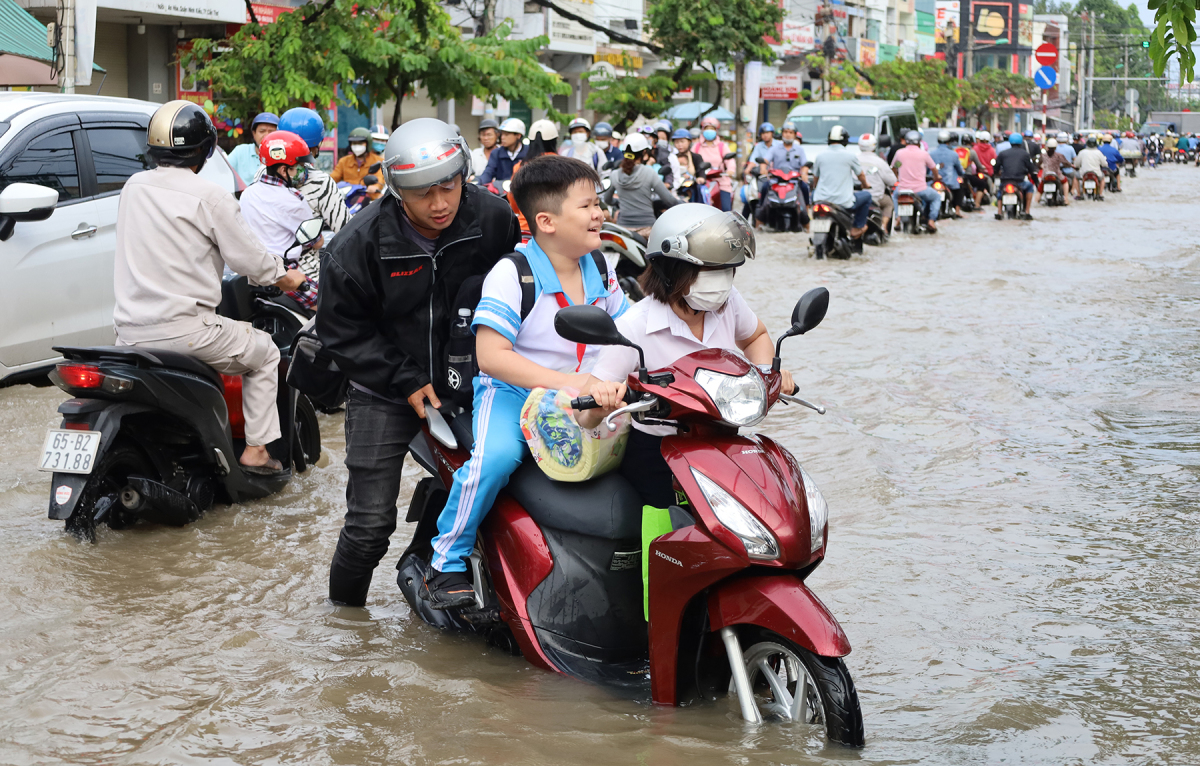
(1093, 186)
(557, 566)
(781, 207)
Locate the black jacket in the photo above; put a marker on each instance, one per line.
(385, 306)
(1014, 164)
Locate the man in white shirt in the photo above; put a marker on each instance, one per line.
(175, 234)
(879, 176)
(489, 135)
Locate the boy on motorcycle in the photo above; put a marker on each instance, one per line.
(558, 197)
(275, 208)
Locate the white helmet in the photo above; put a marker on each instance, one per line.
(943, 136)
(867, 142)
(701, 235)
(635, 143)
(513, 125)
(983, 135)
(838, 135)
(424, 152)
(1051, 143)
(1062, 136)
(543, 129)
(579, 122)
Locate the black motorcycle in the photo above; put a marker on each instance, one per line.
(155, 436)
(830, 228)
(1054, 190)
(1012, 202)
(910, 214)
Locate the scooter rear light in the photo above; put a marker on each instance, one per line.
(821, 208)
(1009, 188)
(77, 426)
(618, 241)
(80, 376)
(938, 186)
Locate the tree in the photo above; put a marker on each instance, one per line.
(692, 33)
(994, 88)
(382, 52)
(934, 92)
(1174, 33)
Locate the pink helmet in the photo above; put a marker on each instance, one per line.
(710, 122)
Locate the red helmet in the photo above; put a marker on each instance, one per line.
(282, 147)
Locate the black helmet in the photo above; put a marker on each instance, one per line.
(181, 135)
(489, 123)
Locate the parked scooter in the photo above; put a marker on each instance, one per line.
(155, 435)
(557, 566)
(830, 232)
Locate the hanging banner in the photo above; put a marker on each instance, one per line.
(752, 77)
(85, 40)
(868, 53)
(798, 39)
(946, 21)
(1025, 25)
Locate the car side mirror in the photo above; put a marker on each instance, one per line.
(375, 167)
(809, 312)
(27, 202)
(309, 231)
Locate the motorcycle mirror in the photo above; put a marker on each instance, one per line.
(308, 231)
(375, 167)
(590, 325)
(730, 156)
(370, 180)
(809, 312)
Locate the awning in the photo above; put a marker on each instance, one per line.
(25, 56)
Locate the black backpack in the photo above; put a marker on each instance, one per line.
(461, 363)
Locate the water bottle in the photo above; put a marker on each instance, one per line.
(460, 358)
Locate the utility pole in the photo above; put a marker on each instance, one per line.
(969, 69)
(1126, 67)
(66, 23)
(1079, 94)
(1091, 109)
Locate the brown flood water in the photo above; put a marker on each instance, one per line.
(1010, 457)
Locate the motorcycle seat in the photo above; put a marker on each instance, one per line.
(638, 238)
(144, 357)
(606, 507)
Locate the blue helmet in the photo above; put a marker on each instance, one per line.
(602, 130)
(766, 127)
(305, 123)
(663, 125)
(264, 118)
(681, 133)
(1015, 138)
(1028, 133)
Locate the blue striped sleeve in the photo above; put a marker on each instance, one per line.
(488, 321)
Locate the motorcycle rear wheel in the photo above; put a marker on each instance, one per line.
(306, 447)
(109, 477)
(777, 667)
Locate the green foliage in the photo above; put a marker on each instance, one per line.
(387, 51)
(991, 86)
(628, 96)
(936, 92)
(838, 74)
(1174, 33)
(1109, 121)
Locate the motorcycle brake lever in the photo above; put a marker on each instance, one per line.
(789, 399)
(642, 406)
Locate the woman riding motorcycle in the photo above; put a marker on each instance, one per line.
(635, 181)
(713, 151)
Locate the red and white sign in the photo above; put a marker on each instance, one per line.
(1046, 55)
(267, 14)
(782, 87)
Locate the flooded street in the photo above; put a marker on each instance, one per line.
(1011, 457)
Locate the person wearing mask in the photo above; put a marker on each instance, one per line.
(489, 137)
(274, 208)
(635, 181)
(385, 316)
(509, 153)
(1015, 166)
(950, 169)
(356, 165)
(602, 134)
(713, 150)
(580, 146)
(879, 176)
(767, 154)
(1115, 160)
(176, 234)
(912, 164)
(662, 146)
(833, 174)
(1091, 160)
(1054, 164)
(320, 190)
(686, 166)
(379, 137)
(244, 157)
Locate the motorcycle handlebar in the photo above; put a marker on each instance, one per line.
(589, 403)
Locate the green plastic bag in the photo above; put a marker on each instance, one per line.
(656, 522)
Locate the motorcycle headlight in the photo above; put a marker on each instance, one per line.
(741, 400)
(760, 543)
(818, 511)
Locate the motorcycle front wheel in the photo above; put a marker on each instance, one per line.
(792, 684)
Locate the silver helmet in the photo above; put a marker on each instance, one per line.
(424, 152)
(701, 235)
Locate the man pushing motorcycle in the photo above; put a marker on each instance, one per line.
(175, 234)
(388, 283)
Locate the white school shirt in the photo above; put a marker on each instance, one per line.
(535, 339)
(664, 337)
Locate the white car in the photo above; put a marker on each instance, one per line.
(56, 273)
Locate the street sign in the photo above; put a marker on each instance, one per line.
(1046, 54)
(1045, 78)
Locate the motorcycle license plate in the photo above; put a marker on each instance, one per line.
(1050, 188)
(822, 225)
(1010, 199)
(69, 451)
(905, 210)
(941, 197)
(1089, 185)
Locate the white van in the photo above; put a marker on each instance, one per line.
(56, 270)
(813, 121)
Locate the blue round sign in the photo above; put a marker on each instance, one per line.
(1045, 78)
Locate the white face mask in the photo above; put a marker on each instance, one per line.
(710, 290)
(579, 139)
(602, 143)
(358, 150)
